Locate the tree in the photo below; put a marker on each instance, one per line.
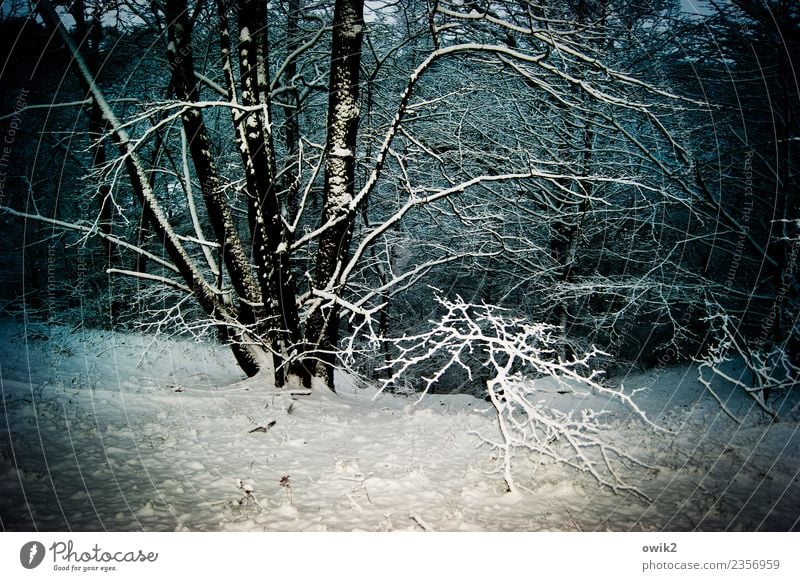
(520, 356)
(264, 321)
(509, 126)
(750, 173)
(595, 241)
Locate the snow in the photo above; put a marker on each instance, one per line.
(342, 152)
(116, 431)
(346, 108)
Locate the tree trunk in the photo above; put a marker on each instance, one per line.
(338, 210)
(291, 110)
(251, 309)
(270, 237)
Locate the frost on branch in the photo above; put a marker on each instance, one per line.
(520, 358)
(771, 371)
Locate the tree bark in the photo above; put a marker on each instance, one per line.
(334, 243)
(270, 237)
(179, 51)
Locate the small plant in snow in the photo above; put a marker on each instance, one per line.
(516, 355)
(249, 500)
(287, 486)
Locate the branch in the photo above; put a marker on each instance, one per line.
(517, 354)
(138, 176)
(92, 232)
(217, 88)
(152, 277)
(300, 50)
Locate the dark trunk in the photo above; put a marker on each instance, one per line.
(270, 237)
(251, 358)
(334, 243)
(291, 111)
(232, 251)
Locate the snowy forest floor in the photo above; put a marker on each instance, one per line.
(113, 431)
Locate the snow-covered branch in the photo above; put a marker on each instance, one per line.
(731, 359)
(521, 359)
(89, 231)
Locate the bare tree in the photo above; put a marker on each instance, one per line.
(340, 162)
(524, 365)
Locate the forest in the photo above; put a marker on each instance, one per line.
(422, 198)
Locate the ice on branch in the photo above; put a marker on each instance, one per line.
(520, 358)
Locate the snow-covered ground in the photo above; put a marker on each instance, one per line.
(113, 431)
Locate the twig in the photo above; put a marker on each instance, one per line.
(421, 523)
